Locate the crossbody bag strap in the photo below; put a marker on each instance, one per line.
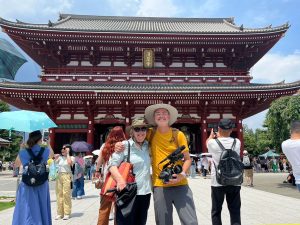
(128, 157)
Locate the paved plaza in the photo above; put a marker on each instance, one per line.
(258, 207)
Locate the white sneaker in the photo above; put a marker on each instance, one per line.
(79, 197)
(66, 217)
(58, 217)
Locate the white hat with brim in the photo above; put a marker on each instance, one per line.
(149, 113)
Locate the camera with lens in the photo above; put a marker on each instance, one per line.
(171, 168)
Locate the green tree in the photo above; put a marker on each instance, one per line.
(9, 152)
(279, 117)
(249, 140)
(262, 141)
(4, 107)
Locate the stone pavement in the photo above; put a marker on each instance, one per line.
(258, 207)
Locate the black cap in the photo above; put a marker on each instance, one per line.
(225, 124)
(35, 133)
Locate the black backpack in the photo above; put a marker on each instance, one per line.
(230, 169)
(36, 172)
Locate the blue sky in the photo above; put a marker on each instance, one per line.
(281, 63)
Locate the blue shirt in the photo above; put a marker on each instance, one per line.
(25, 157)
(141, 164)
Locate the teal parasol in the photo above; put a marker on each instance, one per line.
(10, 60)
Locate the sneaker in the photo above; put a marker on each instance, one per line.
(58, 217)
(66, 217)
(79, 197)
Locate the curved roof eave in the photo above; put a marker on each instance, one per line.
(51, 27)
(146, 88)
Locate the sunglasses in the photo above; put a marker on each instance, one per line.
(64, 148)
(138, 129)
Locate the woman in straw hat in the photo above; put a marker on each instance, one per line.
(139, 157)
(163, 142)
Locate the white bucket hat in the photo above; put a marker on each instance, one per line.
(149, 113)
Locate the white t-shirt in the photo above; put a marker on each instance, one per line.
(291, 148)
(216, 151)
(63, 166)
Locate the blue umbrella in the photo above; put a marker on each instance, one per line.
(25, 120)
(10, 60)
(81, 146)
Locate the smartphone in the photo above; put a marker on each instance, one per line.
(215, 129)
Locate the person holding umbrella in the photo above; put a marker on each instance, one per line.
(78, 177)
(139, 157)
(33, 202)
(63, 181)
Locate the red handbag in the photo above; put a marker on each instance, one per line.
(109, 187)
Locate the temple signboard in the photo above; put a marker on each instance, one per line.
(148, 58)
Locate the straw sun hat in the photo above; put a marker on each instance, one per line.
(149, 113)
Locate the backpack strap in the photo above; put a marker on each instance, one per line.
(38, 157)
(220, 144)
(173, 139)
(153, 131)
(223, 148)
(175, 136)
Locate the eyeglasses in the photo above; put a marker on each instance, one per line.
(138, 129)
(64, 148)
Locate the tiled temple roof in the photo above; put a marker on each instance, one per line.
(84, 23)
(124, 88)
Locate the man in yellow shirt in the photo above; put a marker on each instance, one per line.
(175, 192)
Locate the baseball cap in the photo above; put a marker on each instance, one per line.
(225, 124)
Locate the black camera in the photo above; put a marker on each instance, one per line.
(171, 168)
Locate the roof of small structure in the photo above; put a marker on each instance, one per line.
(146, 87)
(4, 141)
(85, 23)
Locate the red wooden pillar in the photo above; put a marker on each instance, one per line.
(90, 133)
(240, 136)
(203, 135)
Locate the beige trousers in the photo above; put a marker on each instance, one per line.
(63, 194)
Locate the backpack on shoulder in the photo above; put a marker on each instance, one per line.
(246, 160)
(36, 172)
(230, 169)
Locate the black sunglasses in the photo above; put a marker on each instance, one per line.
(138, 129)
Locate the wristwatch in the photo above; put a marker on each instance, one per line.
(183, 174)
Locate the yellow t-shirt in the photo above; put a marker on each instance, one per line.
(161, 146)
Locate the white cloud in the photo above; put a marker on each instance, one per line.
(158, 8)
(274, 68)
(33, 10)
